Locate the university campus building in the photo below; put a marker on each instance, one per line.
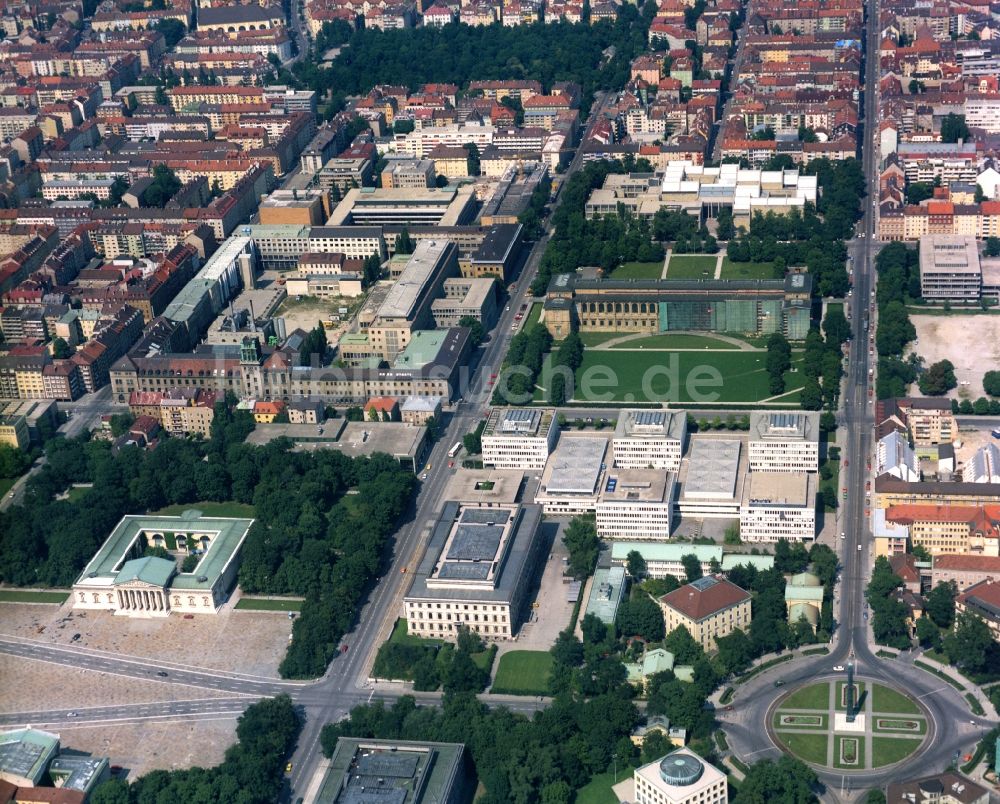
(588, 302)
(476, 572)
(708, 608)
(121, 579)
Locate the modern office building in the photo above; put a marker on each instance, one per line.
(466, 298)
(587, 302)
(571, 481)
(394, 772)
(779, 505)
(477, 572)
(649, 439)
(679, 778)
(711, 478)
(949, 268)
(607, 590)
(444, 206)
(519, 438)
(708, 608)
(784, 441)
(635, 504)
(121, 579)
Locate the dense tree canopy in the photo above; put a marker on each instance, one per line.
(251, 773)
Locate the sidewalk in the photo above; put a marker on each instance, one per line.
(970, 686)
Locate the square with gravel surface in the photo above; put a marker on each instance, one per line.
(970, 342)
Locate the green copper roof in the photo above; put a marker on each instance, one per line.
(151, 570)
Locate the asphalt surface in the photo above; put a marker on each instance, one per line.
(952, 730)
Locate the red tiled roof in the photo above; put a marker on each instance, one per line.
(987, 591)
(696, 603)
(957, 563)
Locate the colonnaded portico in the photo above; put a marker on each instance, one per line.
(151, 566)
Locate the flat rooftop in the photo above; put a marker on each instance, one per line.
(26, 752)
(127, 542)
(652, 424)
(637, 485)
(497, 486)
(391, 772)
(524, 422)
(407, 291)
(606, 592)
(575, 465)
(949, 254)
(666, 553)
(782, 488)
(476, 553)
(352, 438)
(784, 426)
(713, 466)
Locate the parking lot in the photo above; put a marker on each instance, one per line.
(553, 611)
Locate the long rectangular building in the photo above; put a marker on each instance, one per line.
(477, 572)
(587, 303)
(519, 438)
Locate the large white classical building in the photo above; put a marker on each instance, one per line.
(784, 442)
(122, 579)
(477, 571)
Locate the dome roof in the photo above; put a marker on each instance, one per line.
(681, 770)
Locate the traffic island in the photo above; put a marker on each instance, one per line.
(826, 725)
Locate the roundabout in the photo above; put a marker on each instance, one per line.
(823, 726)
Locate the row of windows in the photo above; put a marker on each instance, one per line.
(457, 607)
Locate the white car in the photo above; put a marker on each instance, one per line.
(859, 547)
(838, 668)
(843, 535)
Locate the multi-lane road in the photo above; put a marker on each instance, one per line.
(952, 728)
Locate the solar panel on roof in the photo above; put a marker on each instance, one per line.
(704, 583)
(520, 421)
(648, 418)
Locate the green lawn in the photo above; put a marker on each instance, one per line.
(887, 750)
(809, 747)
(251, 604)
(31, 596)
(676, 341)
(691, 266)
(533, 315)
(230, 509)
(591, 339)
(76, 493)
(746, 270)
(399, 635)
(598, 789)
(741, 377)
(523, 672)
(859, 747)
(886, 701)
(815, 696)
(835, 307)
(861, 689)
(484, 659)
(638, 270)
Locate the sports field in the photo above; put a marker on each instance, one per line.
(682, 377)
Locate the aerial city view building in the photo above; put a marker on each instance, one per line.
(499, 400)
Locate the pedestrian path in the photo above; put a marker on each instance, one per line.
(666, 262)
(718, 264)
